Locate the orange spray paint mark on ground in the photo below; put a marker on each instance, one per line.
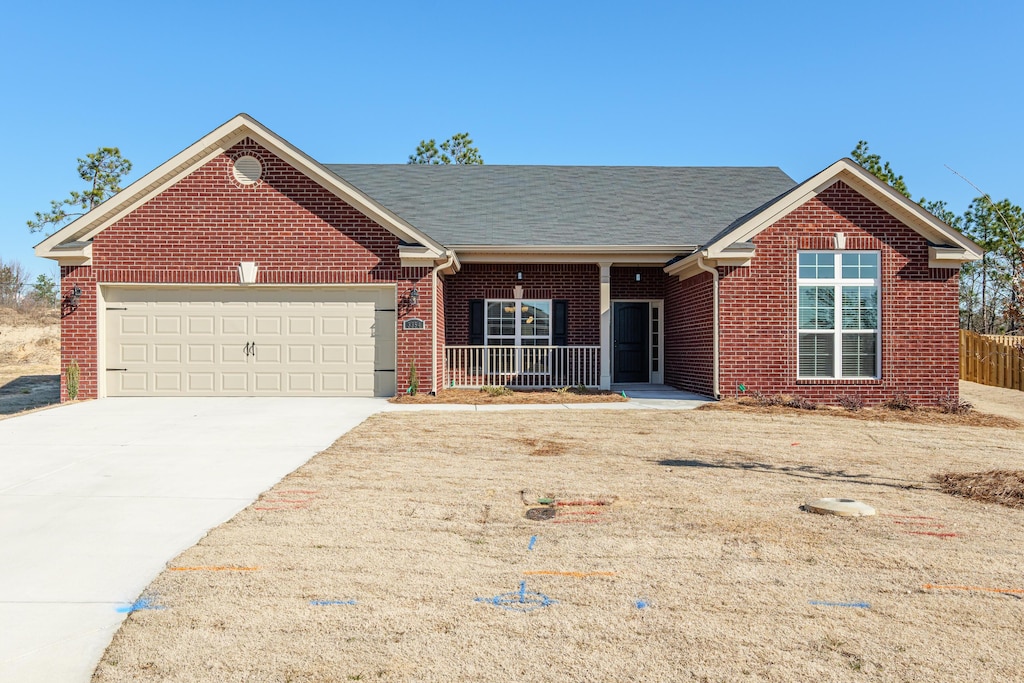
(213, 569)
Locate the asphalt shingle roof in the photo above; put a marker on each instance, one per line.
(567, 205)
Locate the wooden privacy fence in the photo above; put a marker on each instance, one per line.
(996, 361)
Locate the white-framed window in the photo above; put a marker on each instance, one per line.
(838, 316)
(518, 322)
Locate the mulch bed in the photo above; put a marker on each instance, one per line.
(1005, 487)
(481, 397)
(928, 416)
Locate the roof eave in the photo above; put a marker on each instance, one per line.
(884, 196)
(207, 148)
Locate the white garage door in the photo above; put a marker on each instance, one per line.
(251, 341)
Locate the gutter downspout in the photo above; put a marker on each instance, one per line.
(433, 318)
(714, 273)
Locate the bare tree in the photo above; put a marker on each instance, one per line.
(13, 278)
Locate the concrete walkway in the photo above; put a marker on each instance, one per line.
(96, 498)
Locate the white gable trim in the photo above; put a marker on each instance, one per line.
(882, 195)
(201, 152)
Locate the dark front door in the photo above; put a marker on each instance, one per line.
(632, 339)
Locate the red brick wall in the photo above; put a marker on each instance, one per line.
(441, 325)
(580, 284)
(78, 331)
(414, 345)
(689, 333)
(198, 230)
(625, 287)
(758, 307)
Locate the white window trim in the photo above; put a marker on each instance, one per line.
(518, 337)
(838, 282)
(522, 357)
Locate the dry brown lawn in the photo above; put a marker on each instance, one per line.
(687, 557)
(29, 359)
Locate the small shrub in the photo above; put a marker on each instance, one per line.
(764, 400)
(563, 390)
(582, 389)
(899, 402)
(414, 379)
(800, 403)
(955, 406)
(496, 391)
(73, 374)
(851, 403)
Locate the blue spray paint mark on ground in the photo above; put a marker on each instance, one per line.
(332, 602)
(140, 604)
(641, 604)
(520, 600)
(533, 541)
(825, 603)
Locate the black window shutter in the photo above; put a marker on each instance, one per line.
(476, 322)
(560, 323)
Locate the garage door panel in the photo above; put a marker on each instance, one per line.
(301, 353)
(333, 353)
(133, 353)
(363, 354)
(167, 353)
(167, 382)
(234, 324)
(267, 325)
(132, 381)
(302, 382)
(167, 324)
(234, 382)
(301, 326)
(200, 353)
(250, 341)
(268, 353)
(201, 382)
(334, 382)
(267, 382)
(234, 354)
(134, 324)
(333, 325)
(201, 324)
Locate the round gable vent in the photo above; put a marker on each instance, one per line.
(247, 170)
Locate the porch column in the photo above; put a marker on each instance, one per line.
(606, 325)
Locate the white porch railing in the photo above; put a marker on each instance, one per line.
(521, 366)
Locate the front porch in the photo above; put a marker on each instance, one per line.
(554, 325)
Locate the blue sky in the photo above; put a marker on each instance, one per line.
(793, 85)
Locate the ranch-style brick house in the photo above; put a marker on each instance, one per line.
(243, 267)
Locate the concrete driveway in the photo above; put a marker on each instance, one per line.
(95, 499)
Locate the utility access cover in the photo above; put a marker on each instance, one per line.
(843, 507)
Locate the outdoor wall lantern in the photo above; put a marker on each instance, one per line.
(638, 277)
(69, 304)
(412, 298)
(519, 275)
